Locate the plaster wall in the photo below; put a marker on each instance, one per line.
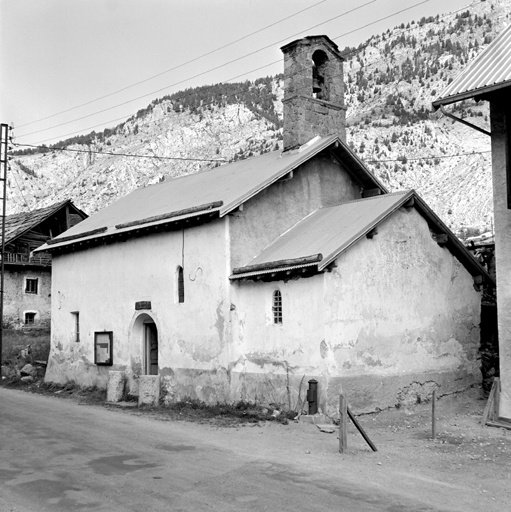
(103, 284)
(397, 318)
(500, 142)
(272, 362)
(17, 301)
(400, 311)
(319, 182)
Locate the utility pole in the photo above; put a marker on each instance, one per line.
(4, 158)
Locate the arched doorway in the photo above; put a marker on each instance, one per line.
(150, 347)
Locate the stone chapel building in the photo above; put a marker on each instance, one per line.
(245, 281)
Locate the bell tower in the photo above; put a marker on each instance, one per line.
(313, 91)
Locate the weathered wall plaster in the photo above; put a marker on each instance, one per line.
(500, 142)
(190, 334)
(319, 182)
(17, 301)
(398, 317)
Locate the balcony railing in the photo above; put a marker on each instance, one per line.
(24, 258)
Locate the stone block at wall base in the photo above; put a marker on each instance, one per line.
(115, 386)
(149, 390)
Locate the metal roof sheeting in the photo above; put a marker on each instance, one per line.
(232, 184)
(329, 231)
(490, 70)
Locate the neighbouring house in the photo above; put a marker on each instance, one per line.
(27, 276)
(488, 78)
(245, 281)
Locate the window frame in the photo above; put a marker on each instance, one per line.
(33, 316)
(76, 331)
(29, 281)
(276, 307)
(180, 285)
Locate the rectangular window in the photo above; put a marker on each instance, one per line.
(76, 332)
(31, 285)
(103, 348)
(29, 318)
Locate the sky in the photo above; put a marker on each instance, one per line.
(68, 67)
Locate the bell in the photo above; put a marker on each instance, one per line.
(315, 85)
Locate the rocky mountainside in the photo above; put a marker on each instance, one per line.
(390, 82)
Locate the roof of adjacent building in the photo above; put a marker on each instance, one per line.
(219, 190)
(323, 235)
(489, 71)
(19, 223)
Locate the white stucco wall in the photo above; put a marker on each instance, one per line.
(103, 284)
(397, 318)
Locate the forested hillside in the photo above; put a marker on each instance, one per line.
(391, 80)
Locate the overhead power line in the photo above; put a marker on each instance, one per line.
(46, 148)
(437, 157)
(232, 78)
(176, 67)
(205, 72)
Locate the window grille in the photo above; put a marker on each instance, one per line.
(31, 285)
(180, 285)
(277, 307)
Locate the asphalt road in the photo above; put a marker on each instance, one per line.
(56, 455)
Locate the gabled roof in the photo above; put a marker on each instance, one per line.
(19, 223)
(489, 71)
(220, 190)
(319, 238)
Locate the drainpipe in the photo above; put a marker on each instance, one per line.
(462, 121)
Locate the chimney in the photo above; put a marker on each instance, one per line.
(313, 91)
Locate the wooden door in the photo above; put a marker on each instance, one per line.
(151, 343)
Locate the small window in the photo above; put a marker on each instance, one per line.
(277, 307)
(31, 285)
(180, 285)
(29, 318)
(76, 332)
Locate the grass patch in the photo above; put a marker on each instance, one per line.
(14, 340)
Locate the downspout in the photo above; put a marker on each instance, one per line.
(453, 117)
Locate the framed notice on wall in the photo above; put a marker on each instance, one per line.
(103, 348)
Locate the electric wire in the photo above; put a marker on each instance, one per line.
(267, 65)
(120, 154)
(176, 67)
(225, 81)
(272, 45)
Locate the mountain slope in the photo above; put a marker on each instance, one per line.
(390, 83)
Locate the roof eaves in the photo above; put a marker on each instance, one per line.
(454, 244)
(474, 93)
(362, 166)
(366, 229)
(276, 270)
(113, 232)
(38, 220)
(285, 170)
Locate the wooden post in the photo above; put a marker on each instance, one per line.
(361, 430)
(343, 422)
(433, 415)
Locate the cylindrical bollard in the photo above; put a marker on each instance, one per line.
(312, 396)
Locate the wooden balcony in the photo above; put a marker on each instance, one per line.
(25, 259)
